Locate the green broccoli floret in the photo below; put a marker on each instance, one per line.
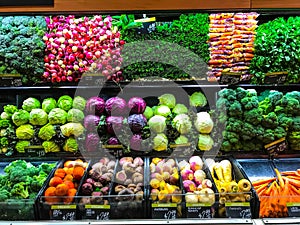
(270, 120)
(280, 132)
(291, 105)
(234, 125)
(46, 167)
(22, 164)
(286, 121)
(4, 194)
(247, 132)
(38, 181)
(20, 190)
(240, 93)
(226, 146)
(294, 140)
(249, 102)
(228, 94)
(296, 124)
(293, 94)
(268, 136)
(235, 110)
(269, 103)
(254, 116)
(232, 137)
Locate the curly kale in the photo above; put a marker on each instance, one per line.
(22, 46)
(235, 109)
(254, 116)
(249, 102)
(270, 120)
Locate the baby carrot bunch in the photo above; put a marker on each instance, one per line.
(276, 192)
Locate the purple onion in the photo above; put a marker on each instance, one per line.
(113, 141)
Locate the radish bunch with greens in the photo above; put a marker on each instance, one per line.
(78, 45)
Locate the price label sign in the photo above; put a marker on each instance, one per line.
(293, 209)
(93, 78)
(230, 78)
(97, 212)
(199, 210)
(275, 78)
(63, 212)
(10, 79)
(167, 211)
(148, 25)
(276, 147)
(35, 150)
(239, 210)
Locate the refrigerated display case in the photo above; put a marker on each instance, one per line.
(251, 165)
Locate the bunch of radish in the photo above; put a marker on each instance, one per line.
(78, 45)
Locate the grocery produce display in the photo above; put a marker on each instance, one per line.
(180, 153)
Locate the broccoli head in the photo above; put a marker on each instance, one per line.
(253, 116)
(228, 94)
(270, 120)
(235, 109)
(20, 190)
(4, 194)
(249, 102)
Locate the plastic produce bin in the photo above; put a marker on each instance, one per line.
(236, 204)
(18, 209)
(56, 208)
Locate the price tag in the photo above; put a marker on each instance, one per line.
(293, 209)
(93, 78)
(63, 212)
(10, 80)
(97, 212)
(112, 146)
(230, 78)
(199, 210)
(164, 211)
(180, 145)
(275, 78)
(148, 25)
(276, 147)
(35, 150)
(240, 210)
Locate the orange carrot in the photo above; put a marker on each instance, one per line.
(292, 182)
(259, 182)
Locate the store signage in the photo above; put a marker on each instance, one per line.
(63, 212)
(93, 78)
(164, 211)
(293, 209)
(97, 212)
(230, 78)
(276, 147)
(275, 78)
(27, 3)
(199, 210)
(148, 25)
(240, 210)
(14, 80)
(35, 150)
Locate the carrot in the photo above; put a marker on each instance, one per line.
(294, 177)
(289, 173)
(268, 191)
(281, 182)
(292, 182)
(261, 187)
(259, 182)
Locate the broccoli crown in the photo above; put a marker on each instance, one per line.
(20, 190)
(250, 102)
(253, 116)
(22, 46)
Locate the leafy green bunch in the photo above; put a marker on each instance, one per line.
(189, 31)
(22, 46)
(277, 49)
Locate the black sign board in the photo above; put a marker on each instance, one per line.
(167, 211)
(27, 3)
(293, 209)
(230, 78)
(276, 147)
(63, 212)
(275, 78)
(10, 80)
(148, 25)
(35, 150)
(199, 210)
(97, 212)
(239, 210)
